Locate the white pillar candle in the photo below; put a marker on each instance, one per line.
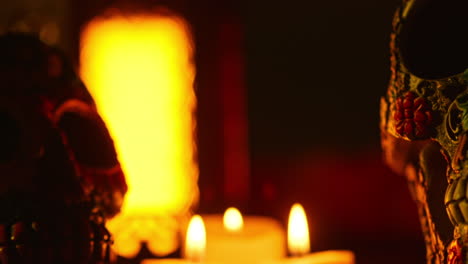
(254, 240)
(166, 261)
(257, 239)
(323, 257)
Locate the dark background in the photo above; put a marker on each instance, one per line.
(315, 71)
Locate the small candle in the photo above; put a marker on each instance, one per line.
(299, 244)
(195, 244)
(233, 239)
(323, 257)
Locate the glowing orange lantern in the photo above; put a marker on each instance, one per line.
(139, 70)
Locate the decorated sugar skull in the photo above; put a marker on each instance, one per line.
(424, 119)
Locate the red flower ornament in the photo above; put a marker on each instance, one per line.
(455, 253)
(412, 116)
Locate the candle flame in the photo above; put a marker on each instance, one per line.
(195, 242)
(298, 231)
(233, 221)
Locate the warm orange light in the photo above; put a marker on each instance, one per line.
(233, 220)
(140, 72)
(195, 242)
(298, 231)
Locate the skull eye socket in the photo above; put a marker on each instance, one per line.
(453, 122)
(433, 40)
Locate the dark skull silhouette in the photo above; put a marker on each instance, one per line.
(59, 175)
